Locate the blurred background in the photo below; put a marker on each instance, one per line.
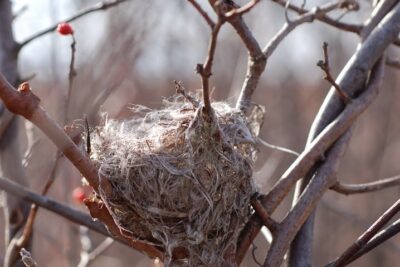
(132, 53)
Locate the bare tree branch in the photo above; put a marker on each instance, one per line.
(97, 7)
(378, 239)
(349, 189)
(204, 14)
(306, 203)
(332, 22)
(313, 153)
(324, 65)
(73, 215)
(205, 69)
(343, 259)
(257, 67)
(351, 79)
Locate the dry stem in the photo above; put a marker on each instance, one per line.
(204, 14)
(349, 189)
(97, 7)
(344, 259)
(324, 65)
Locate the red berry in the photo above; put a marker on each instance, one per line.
(78, 194)
(65, 28)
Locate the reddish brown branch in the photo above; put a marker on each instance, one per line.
(324, 65)
(204, 14)
(263, 214)
(378, 239)
(348, 189)
(344, 259)
(72, 214)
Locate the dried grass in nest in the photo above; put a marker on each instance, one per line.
(180, 181)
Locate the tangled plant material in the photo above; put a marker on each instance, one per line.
(179, 181)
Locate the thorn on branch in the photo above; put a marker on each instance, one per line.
(324, 65)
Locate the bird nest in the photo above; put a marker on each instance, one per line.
(180, 180)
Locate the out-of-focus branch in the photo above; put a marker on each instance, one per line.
(15, 209)
(324, 18)
(204, 14)
(23, 102)
(242, 10)
(73, 215)
(71, 77)
(87, 258)
(67, 212)
(395, 63)
(20, 242)
(290, 25)
(344, 259)
(378, 239)
(349, 189)
(97, 7)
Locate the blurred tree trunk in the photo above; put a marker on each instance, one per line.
(15, 210)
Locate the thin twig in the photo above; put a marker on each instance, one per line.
(324, 65)
(308, 158)
(324, 18)
(378, 239)
(181, 90)
(204, 14)
(97, 7)
(23, 102)
(343, 259)
(349, 189)
(71, 76)
(205, 69)
(73, 215)
(19, 12)
(279, 148)
(242, 10)
(257, 64)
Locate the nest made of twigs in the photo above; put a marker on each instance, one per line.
(178, 179)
